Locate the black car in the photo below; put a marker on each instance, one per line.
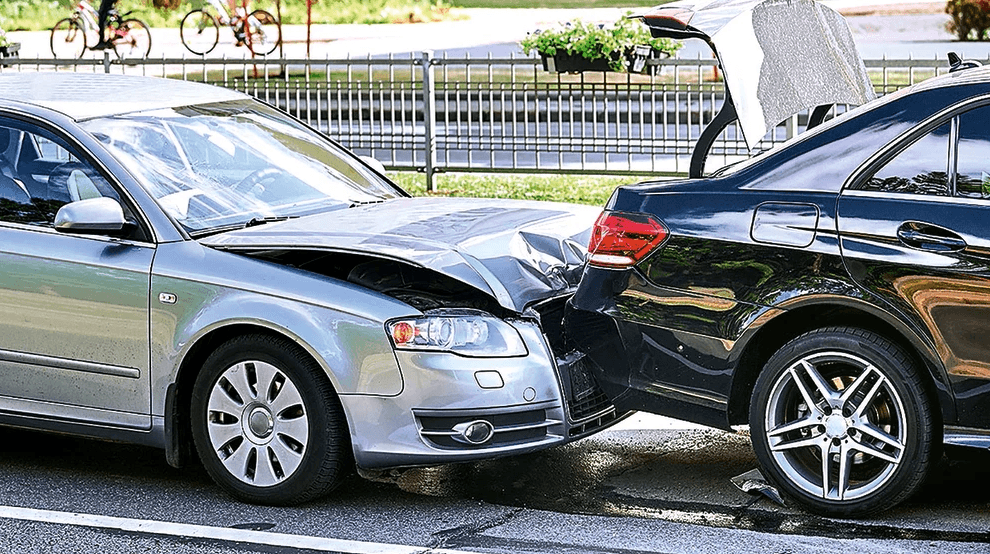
(832, 293)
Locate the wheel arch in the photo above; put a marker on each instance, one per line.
(828, 312)
(179, 447)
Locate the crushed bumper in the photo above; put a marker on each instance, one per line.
(530, 402)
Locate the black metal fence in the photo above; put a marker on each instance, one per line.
(436, 114)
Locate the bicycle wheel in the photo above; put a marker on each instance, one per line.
(68, 39)
(265, 33)
(199, 32)
(132, 39)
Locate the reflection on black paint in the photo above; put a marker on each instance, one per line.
(935, 183)
(921, 168)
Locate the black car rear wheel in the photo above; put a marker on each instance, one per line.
(841, 423)
(266, 422)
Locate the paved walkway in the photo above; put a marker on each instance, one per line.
(895, 28)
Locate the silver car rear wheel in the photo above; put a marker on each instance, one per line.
(840, 421)
(266, 422)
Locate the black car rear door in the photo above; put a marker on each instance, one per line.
(916, 232)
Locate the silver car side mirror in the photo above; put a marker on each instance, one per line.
(94, 215)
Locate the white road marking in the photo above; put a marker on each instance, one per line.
(185, 530)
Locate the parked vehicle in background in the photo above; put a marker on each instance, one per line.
(185, 267)
(73, 35)
(831, 293)
(200, 29)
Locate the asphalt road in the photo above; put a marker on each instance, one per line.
(650, 486)
(646, 487)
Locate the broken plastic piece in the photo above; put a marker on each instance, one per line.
(753, 482)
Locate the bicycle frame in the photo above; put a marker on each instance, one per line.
(87, 15)
(223, 13)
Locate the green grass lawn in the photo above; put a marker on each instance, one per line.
(580, 189)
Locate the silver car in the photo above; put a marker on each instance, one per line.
(185, 267)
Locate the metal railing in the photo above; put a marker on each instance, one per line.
(436, 114)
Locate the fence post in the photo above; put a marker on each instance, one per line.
(106, 61)
(429, 117)
(791, 126)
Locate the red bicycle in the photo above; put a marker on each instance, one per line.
(200, 29)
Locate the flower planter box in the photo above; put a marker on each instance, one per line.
(572, 63)
(9, 51)
(563, 62)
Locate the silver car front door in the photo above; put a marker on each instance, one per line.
(73, 308)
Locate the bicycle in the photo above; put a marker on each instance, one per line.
(200, 29)
(70, 36)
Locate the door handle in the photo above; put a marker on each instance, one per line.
(929, 237)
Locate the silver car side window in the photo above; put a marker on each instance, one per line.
(40, 173)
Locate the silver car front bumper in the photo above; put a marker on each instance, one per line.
(527, 401)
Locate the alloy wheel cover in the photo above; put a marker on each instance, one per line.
(257, 423)
(836, 426)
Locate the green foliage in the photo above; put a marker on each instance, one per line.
(4, 41)
(31, 14)
(594, 41)
(368, 11)
(580, 189)
(970, 19)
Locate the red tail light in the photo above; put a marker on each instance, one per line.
(623, 239)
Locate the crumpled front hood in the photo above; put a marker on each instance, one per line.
(516, 251)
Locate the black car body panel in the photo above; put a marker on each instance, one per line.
(851, 265)
(766, 241)
(832, 293)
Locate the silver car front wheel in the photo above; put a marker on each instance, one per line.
(266, 423)
(257, 423)
(840, 421)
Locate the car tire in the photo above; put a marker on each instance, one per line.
(266, 422)
(841, 423)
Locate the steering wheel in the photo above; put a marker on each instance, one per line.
(256, 178)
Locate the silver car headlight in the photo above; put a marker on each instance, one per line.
(460, 331)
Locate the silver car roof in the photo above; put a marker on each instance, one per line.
(778, 57)
(88, 95)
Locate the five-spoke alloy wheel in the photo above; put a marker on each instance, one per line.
(266, 422)
(841, 422)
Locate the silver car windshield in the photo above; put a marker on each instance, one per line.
(219, 166)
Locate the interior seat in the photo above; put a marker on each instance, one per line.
(12, 190)
(6, 167)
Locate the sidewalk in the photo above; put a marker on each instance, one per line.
(891, 28)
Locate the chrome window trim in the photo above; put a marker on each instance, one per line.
(953, 162)
(96, 237)
(980, 202)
